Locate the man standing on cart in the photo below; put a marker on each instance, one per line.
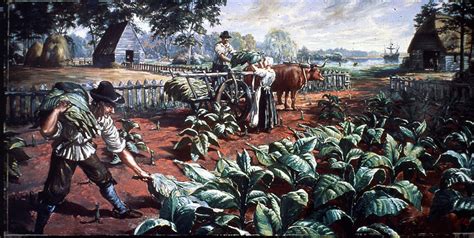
(223, 51)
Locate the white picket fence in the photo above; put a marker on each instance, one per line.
(22, 103)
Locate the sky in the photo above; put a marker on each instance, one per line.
(368, 25)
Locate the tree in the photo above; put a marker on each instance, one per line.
(460, 17)
(249, 42)
(236, 41)
(29, 21)
(279, 45)
(185, 18)
(427, 10)
(63, 16)
(97, 17)
(209, 42)
(304, 54)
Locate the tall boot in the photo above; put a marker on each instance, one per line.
(120, 210)
(44, 213)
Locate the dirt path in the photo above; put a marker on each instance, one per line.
(79, 206)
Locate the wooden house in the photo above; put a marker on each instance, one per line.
(434, 49)
(119, 44)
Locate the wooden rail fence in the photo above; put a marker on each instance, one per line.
(163, 69)
(436, 89)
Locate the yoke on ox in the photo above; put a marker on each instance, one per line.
(292, 77)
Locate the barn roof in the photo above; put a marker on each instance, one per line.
(431, 31)
(111, 37)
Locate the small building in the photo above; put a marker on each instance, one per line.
(434, 49)
(119, 44)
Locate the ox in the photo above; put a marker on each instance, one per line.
(291, 78)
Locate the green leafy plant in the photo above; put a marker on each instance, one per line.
(239, 186)
(197, 135)
(413, 106)
(331, 108)
(449, 197)
(222, 121)
(281, 217)
(375, 128)
(181, 213)
(13, 146)
(381, 105)
(292, 162)
(415, 132)
(133, 140)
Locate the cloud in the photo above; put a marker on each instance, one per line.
(358, 24)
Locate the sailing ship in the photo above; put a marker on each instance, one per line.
(392, 56)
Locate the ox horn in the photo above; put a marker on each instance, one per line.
(324, 64)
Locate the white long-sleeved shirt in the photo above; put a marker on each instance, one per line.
(70, 143)
(222, 48)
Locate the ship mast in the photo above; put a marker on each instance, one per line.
(391, 48)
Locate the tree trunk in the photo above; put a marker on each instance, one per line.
(189, 54)
(166, 39)
(93, 37)
(461, 53)
(470, 50)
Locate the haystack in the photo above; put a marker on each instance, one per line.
(34, 54)
(55, 52)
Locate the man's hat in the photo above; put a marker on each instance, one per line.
(225, 34)
(106, 92)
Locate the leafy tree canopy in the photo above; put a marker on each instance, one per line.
(279, 45)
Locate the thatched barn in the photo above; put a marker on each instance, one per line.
(119, 44)
(434, 49)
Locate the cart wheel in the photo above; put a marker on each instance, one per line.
(236, 95)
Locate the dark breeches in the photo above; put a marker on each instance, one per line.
(60, 174)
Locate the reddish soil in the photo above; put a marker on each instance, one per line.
(71, 217)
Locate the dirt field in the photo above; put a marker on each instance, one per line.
(73, 215)
(31, 76)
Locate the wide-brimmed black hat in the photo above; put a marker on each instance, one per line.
(225, 34)
(106, 92)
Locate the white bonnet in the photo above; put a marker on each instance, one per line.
(269, 60)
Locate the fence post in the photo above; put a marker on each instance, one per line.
(13, 105)
(138, 90)
(131, 102)
(161, 94)
(32, 103)
(153, 93)
(23, 110)
(146, 93)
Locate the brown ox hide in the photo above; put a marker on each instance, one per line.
(290, 78)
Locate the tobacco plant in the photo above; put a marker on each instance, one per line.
(134, 141)
(331, 108)
(381, 105)
(281, 217)
(375, 127)
(222, 121)
(198, 136)
(232, 185)
(291, 162)
(13, 146)
(449, 197)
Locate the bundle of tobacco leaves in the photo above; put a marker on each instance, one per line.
(180, 90)
(242, 57)
(78, 113)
